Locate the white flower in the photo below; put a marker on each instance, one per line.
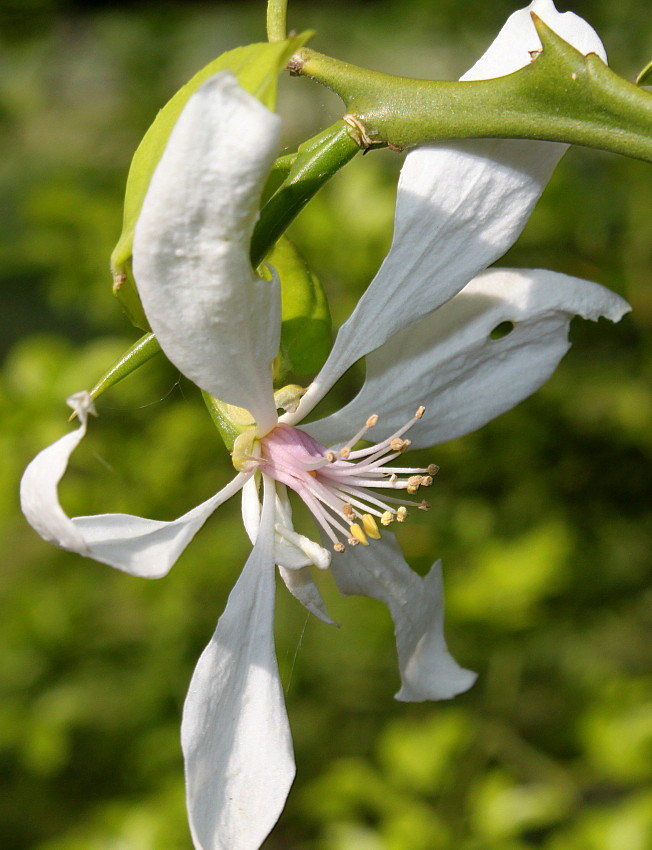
(426, 333)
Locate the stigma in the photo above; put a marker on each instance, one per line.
(346, 490)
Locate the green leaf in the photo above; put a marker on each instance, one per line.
(256, 68)
(306, 322)
(645, 76)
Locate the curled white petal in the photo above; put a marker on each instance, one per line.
(379, 571)
(136, 545)
(214, 318)
(235, 733)
(459, 208)
(303, 587)
(450, 363)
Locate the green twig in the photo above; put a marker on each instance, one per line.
(560, 96)
(276, 20)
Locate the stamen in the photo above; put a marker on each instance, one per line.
(345, 451)
(345, 483)
(370, 526)
(358, 533)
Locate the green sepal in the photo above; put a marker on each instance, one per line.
(140, 352)
(256, 67)
(224, 416)
(645, 76)
(306, 330)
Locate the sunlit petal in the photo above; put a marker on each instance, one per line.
(235, 732)
(215, 320)
(459, 208)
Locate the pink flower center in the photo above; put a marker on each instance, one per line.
(338, 486)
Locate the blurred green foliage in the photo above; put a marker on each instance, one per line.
(543, 518)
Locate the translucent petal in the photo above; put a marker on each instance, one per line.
(428, 671)
(215, 319)
(235, 733)
(450, 362)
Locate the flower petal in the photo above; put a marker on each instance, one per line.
(303, 587)
(511, 48)
(142, 547)
(428, 671)
(459, 208)
(215, 320)
(235, 733)
(450, 363)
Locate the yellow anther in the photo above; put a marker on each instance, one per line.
(426, 481)
(433, 469)
(344, 452)
(358, 534)
(396, 445)
(412, 489)
(373, 420)
(339, 547)
(401, 514)
(420, 412)
(387, 518)
(331, 457)
(414, 481)
(370, 526)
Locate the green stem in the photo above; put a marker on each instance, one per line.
(561, 96)
(276, 20)
(315, 163)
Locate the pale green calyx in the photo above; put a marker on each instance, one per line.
(237, 426)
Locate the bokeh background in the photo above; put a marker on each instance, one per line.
(543, 518)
